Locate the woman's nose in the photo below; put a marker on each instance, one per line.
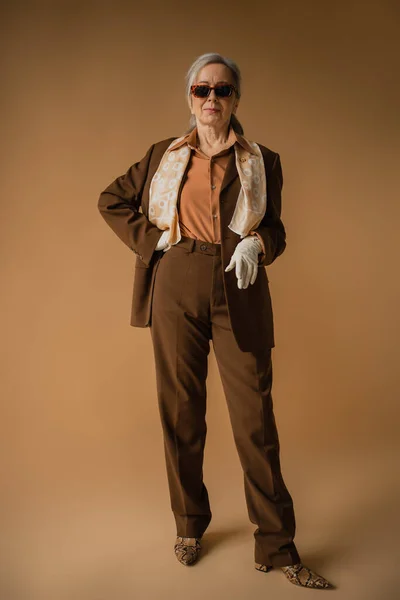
(212, 95)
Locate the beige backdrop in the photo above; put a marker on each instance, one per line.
(87, 87)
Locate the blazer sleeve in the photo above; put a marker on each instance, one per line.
(271, 228)
(119, 206)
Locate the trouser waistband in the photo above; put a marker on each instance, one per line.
(193, 245)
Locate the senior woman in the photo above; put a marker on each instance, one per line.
(202, 214)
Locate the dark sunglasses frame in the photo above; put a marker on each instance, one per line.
(217, 88)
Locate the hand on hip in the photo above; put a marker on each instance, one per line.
(162, 243)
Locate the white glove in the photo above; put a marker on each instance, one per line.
(245, 258)
(162, 243)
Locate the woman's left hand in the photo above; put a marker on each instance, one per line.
(245, 261)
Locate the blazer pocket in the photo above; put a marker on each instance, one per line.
(139, 264)
(155, 258)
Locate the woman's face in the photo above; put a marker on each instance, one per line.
(214, 111)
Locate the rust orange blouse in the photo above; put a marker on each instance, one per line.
(199, 200)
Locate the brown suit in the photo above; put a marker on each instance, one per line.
(124, 205)
(187, 299)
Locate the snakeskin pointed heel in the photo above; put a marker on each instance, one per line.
(187, 550)
(302, 575)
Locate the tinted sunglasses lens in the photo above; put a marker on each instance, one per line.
(223, 91)
(201, 91)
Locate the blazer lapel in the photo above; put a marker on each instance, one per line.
(231, 172)
(230, 189)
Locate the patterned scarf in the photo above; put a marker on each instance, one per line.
(250, 205)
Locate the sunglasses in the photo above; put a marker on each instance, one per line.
(201, 90)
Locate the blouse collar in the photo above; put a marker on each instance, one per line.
(233, 138)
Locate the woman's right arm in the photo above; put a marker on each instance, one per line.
(119, 206)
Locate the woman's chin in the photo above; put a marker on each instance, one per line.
(211, 119)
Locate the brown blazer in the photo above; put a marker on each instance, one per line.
(124, 206)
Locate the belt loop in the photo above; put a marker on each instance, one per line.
(186, 242)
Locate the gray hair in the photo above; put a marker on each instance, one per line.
(197, 65)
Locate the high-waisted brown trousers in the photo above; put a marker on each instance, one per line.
(189, 309)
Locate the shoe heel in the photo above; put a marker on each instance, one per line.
(263, 568)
